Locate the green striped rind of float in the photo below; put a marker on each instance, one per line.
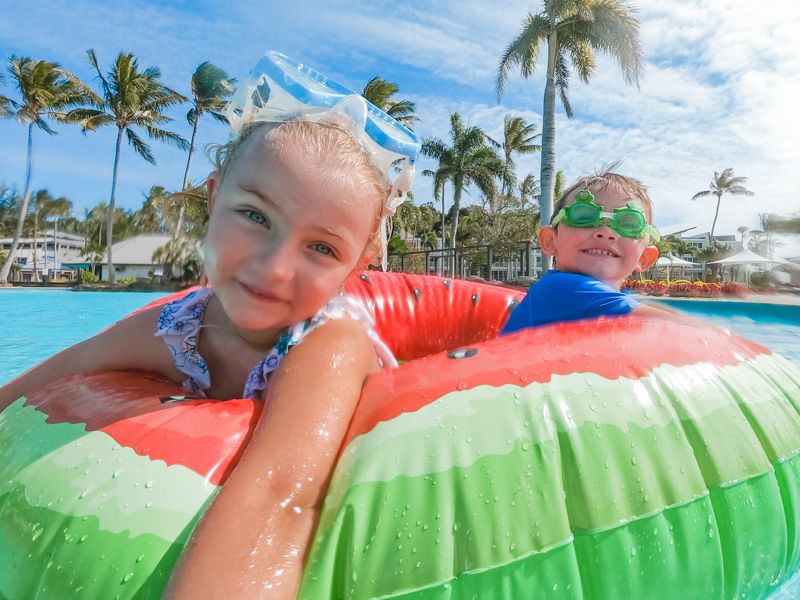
(81, 516)
(504, 491)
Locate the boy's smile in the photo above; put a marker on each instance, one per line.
(598, 252)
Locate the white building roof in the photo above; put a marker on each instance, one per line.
(139, 249)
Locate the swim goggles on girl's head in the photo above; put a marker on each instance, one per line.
(629, 221)
(280, 89)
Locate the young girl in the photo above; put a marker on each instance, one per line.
(295, 202)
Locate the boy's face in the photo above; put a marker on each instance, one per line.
(598, 252)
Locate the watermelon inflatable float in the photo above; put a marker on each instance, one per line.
(619, 458)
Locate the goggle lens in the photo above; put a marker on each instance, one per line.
(583, 214)
(629, 223)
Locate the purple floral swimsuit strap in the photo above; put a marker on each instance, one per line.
(339, 307)
(179, 325)
(180, 322)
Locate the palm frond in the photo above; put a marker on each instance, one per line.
(523, 51)
(702, 194)
(562, 84)
(139, 145)
(162, 135)
(219, 117)
(379, 91)
(611, 27)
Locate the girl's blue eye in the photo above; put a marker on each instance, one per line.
(323, 249)
(255, 216)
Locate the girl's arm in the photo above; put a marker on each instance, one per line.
(252, 541)
(129, 344)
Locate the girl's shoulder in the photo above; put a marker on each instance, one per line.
(346, 307)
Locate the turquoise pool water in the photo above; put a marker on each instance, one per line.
(777, 326)
(37, 323)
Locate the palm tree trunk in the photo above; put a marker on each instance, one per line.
(23, 211)
(716, 214)
(35, 275)
(185, 179)
(458, 185)
(440, 268)
(548, 165)
(110, 217)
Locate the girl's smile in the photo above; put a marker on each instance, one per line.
(283, 234)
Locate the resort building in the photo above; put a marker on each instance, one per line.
(133, 257)
(53, 256)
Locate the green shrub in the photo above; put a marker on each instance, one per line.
(88, 277)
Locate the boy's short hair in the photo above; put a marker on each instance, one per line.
(603, 180)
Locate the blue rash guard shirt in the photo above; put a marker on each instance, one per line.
(560, 296)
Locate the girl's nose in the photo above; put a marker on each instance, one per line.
(278, 263)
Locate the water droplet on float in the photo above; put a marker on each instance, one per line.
(633, 460)
(127, 578)
(140, 558)
(149, 484)
(462, 385)
(83, 538)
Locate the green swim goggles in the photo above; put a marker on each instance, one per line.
(629, 221)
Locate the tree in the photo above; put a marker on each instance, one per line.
(380, 92)
(211, 86)
(528, 190)
(130, 98)
(468, 160)
(43, 207)
(5, 103)
(742, 231)
(518, 137)
(723, 183)
(573, 31)
(46, 90)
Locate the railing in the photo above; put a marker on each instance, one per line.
(499, 262)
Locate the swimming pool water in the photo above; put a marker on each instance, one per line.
(37, 323)
(777, 326)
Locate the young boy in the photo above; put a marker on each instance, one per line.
(600, 233)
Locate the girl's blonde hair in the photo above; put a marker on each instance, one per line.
(331, 149)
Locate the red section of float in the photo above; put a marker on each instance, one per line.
(418, 315)
(202, 435)
(553, 352)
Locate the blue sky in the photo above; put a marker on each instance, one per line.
(719, 90)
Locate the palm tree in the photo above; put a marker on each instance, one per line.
(380, 92)
(5, 103)
(45, 206)
(130, 98)
(573, 31)
(467, 161)
(439, 181)
(518, 137)
(528, 190)
(724, 183)
(46, 90)
(742, 231)
(210, 88)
